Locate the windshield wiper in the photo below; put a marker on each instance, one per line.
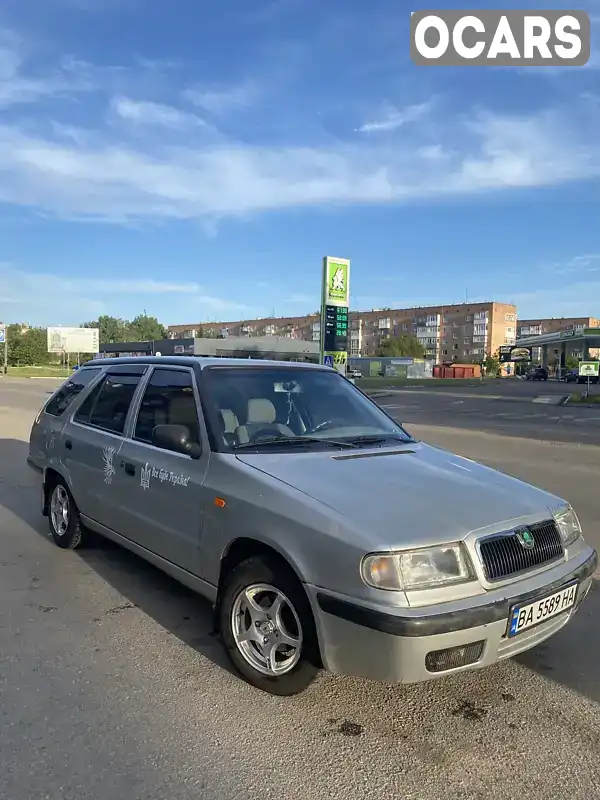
(377, 438)
(294, 440)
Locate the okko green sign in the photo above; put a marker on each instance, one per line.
(335, 301)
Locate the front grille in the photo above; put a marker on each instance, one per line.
(504, 555)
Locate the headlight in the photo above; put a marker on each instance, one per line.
(568, 525)
(418, 569)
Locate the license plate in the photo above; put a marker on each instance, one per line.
(523, 617)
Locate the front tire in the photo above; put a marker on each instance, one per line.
(63, 518)
(268, 628)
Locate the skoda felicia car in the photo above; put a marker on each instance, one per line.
(324, 535)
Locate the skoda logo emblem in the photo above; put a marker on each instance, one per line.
(525, 538)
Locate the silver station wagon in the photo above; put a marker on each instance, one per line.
(324, 535)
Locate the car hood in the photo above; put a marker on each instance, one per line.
(411, 494)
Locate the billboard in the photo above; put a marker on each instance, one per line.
(509, 352)
(73, 340)
(335, 301)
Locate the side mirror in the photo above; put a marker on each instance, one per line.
(177, 439)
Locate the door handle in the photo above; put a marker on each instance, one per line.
(128, 467)
(69, 444)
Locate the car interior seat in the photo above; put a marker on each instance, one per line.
(261, 416)
(182, 411)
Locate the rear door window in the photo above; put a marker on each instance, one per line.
(63, 398)
(108, 407)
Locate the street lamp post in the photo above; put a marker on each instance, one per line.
(4, 338)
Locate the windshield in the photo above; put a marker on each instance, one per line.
(290, 408)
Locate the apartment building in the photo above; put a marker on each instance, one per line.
(536, 327)
(464, 333)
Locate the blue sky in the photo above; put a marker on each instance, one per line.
(197, 158)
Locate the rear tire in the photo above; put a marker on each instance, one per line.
(63, 518)
(268, 628)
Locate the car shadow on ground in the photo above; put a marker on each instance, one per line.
(570, 657)
(180, 611)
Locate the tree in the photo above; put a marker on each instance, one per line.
(13, 339)
(491, 366)
(572, 362)
(27, 348)
(112, 329)
(144, 329)
(404, 345)
(141, 329)
(206, 333)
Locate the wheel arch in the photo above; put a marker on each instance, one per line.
(49, 482)
(244, 547)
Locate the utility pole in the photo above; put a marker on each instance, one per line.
(4, 338)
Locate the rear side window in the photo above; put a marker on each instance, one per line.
(168, 400)
(85, 409)
(63, 398)
(108, 405)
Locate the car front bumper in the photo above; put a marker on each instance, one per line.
(393, 645)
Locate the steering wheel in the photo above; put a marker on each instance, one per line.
(266, 434)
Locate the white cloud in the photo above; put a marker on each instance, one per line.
(38, 298)
(395, 118)
(147, 113)
(433, 152)
(105, 178)
(220, 101)
(104, 173)
(590, 262)
(19, 87)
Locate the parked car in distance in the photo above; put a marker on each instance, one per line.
(353, 373)
(302, 512)
(537, 374)
(571, 376)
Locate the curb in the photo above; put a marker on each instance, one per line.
(595, 406)
(551, 399)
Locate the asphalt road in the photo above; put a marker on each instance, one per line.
(113, 686)
(576, 425)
